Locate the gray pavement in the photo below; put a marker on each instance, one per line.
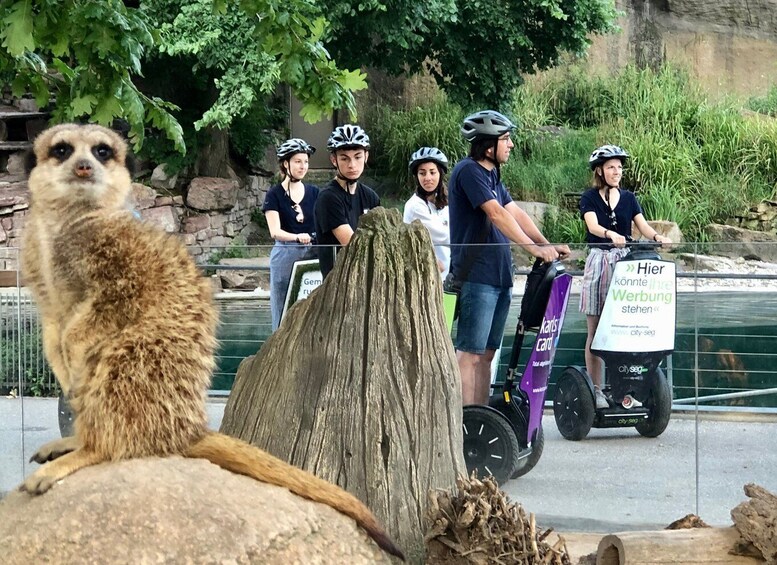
(614, 480)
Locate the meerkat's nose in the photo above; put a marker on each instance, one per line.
(83, 169)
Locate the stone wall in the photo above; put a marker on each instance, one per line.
(214, 214)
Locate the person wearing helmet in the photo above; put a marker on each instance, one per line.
(344, 199)
(429, 203)
(484, 221)
(289, 207)
(608, 212)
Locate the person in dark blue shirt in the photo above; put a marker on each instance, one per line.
(484, 221)
(608, 212)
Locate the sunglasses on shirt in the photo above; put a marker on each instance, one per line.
(298, 210)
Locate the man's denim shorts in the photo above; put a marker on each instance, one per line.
(482, 315)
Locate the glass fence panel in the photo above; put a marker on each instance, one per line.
(721, 377)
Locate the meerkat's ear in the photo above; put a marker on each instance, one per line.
(131, 163)
(30, 160)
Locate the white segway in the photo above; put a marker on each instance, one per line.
(635, 334)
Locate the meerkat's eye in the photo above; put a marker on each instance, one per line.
(61, 151)
(103, 152)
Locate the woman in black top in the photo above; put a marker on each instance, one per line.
(608, 212)
(288, 208)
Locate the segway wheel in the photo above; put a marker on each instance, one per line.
(490, 445)
(527, 464)
(66, 416)
(659, 403)
(573, 405)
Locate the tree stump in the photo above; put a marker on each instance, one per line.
(756, 520)
(360, 384)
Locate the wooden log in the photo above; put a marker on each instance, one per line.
(360, 385)
(697, 546)
(756, 520)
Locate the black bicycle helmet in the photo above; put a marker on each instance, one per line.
(605, 153)
(486, 124)
(292, 146)
(348, 137)
(428, 155)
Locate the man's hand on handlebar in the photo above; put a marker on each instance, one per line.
(547, 253)
(563, 251)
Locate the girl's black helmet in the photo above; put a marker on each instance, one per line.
(348, 137)
(486, 124)
(292, 146)
(426, 155)
(605, 153)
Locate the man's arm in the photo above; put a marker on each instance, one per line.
(508, 225)
(343, 233)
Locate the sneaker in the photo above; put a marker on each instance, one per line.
(601, 400)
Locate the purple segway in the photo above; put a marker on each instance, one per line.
(505, 438)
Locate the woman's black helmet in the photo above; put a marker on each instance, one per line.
(427, 155)
(348, 137)
(486, 124)
(605, 153)
(292, 146)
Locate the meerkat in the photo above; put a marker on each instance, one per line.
(129, 326)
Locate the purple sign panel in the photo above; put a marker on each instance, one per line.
(535, 378)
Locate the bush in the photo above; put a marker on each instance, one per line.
(396, 134)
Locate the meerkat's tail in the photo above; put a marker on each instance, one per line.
(245, 459)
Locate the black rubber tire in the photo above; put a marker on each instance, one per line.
(573, 405)
(490, 445)
(66, 416)
(659, 401)
(527, 464)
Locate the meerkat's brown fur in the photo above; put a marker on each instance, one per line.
(129, 326)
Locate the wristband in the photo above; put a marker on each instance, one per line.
(655, 236)
(297, 238)
(605, 234)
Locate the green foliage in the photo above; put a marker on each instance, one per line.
(250, 135)
(563, 226)
(544, 166)
(83, 55)
(87, 56)
(250, 48)
(396, 134)
(765, 104)
(475, 49)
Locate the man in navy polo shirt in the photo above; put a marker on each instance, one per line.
(484, 220)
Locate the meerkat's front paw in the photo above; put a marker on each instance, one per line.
(37, 483)
(55, 449)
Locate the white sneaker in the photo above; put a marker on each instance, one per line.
(601, 400)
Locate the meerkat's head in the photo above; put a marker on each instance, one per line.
(79, 163)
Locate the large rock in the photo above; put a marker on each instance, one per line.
(175, 511)
(731, 241)
(212, 193)
(255, 273)
(663, 227)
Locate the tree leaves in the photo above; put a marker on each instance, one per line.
(17, 32)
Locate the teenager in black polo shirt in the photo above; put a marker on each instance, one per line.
(344, 199)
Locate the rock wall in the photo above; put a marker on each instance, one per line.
(214, 213)
(728, 45)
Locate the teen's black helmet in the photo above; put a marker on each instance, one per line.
(348, 136)
(486, 124)
(292, 146)
(604, 153)
(428, 155)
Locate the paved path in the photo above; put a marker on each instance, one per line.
(614, 480)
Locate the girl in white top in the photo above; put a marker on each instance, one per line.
(429, 204)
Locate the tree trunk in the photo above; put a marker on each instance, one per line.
(756, 520)
(213, 158)
(696, 546)
(360, 383)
